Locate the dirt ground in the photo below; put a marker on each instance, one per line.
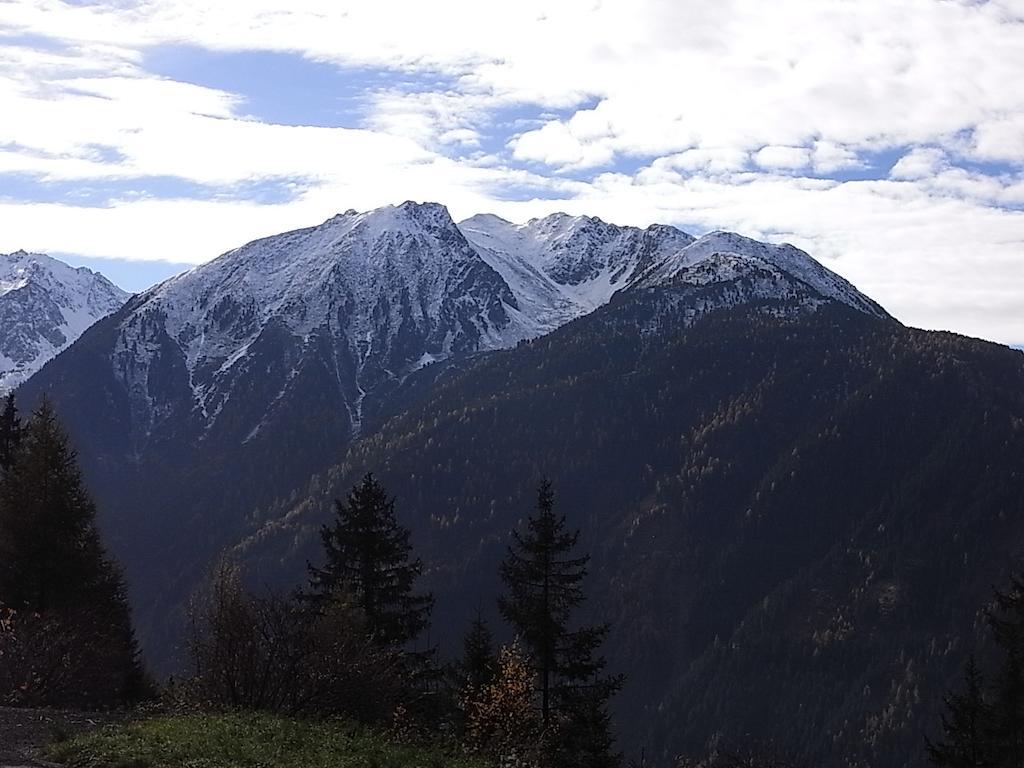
(23, 732)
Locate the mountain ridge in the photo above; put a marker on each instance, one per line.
(264, 364)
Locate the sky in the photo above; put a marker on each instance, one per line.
(884, 137)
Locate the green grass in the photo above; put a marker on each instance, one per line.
(244, 740)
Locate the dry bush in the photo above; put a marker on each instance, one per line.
(278, 653)
(502, 721)
(62, 658)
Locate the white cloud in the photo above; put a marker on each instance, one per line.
(666, 76)
(712, 160)
(829, 157)
(919, 163)
(1001, 139)
(783, 158)
(727, 105)
(556, 144)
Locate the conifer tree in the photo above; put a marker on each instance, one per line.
(986, 727)
(10, 432)
(55, 573)
(544, 583)
(1006, 618)
(48, 521)
(966, 725)
(479, 662)
(368, 555)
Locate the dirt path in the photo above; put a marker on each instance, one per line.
(23, 732)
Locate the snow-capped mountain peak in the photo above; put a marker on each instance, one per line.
(787, 258)
(560, 267)
(45, 305)
(367, 296)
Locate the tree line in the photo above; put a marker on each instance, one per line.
(348, 643)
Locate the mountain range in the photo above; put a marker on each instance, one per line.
(795, 504)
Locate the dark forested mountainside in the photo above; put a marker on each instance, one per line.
(793, 515)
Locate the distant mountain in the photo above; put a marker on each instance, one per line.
(225, 389)
(44, 306)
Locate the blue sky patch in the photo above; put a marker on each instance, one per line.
(100, 193)
(873, 166)
(286, 88)
(132, 276)
(37, 42)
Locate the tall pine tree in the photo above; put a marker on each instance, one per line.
(55, 573)
(48, 521)
(368, 556)
(984, 726)
(10, 432)
(966, 725)
(1006, 619)
(544, 584)
(479, 661)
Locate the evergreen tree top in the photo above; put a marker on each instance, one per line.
(368, 555)
(478, 657)
(543, 577)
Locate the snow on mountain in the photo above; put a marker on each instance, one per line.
(372, 296)
(356, 304)
(45, 305)
(566, 266)
(791, 260)
(560, 267)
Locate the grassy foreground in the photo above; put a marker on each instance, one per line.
(244, 740)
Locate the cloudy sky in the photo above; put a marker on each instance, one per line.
(885, 137)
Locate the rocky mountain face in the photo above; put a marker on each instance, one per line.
(202, 407)
(357, 303)
(44, 306)
(562, 267)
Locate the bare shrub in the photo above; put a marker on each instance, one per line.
(278, 653)
(62, 658)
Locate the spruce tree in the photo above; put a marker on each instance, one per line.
(55, 573)
(368, 556)
(479, 661)
(48, 521)
(966, 725)
(1006, 619)
(544, 583)
(986, 727)
(10, 432)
